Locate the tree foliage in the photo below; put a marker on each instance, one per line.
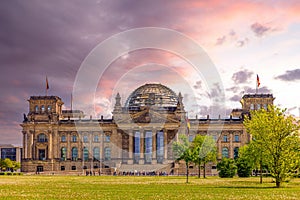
(205, 151)
(183, 151)
(227, 168)
(276, 137)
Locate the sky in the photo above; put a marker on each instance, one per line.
(54, 38)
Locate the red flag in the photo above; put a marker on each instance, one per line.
(257, 80)
(47, 84)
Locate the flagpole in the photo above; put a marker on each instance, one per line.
(71, 101)
(47, 86)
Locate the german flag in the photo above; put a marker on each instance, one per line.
(47, 84)
(257, 80)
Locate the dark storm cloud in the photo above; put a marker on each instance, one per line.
(242, 76)
(289, 75)
(51, 38)
(259, 29)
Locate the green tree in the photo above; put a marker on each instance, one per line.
(253, 155)
(6, 164)
(205, 151)
(277, 137)
(183, 151)
(16, 165)
(244, 162)
(227, 168)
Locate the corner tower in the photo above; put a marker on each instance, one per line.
(44, 108)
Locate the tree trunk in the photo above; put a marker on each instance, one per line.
(204, 171)
(261, 172)
(187, 172)
(277, 183)
(199, 169)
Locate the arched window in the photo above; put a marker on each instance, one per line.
(251, 106)
(49, 109)
(63, 153)
(43, 108)
(85, 154)
(74, 153)
(265, 106)
(42, 138)
(85, 138)
(36, 109)
(225, 152)
(96, 153)
(107, 153)
(63, 138)
(235, 152)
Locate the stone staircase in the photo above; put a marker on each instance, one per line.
(146, 168)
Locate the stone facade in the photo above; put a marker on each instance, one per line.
(137, 138)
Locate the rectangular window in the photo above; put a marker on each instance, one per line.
(9, 153)
(137, 149)
(191, 138)
(42, 154)
(148, 146)
(107, 138)
(73, 167)
(62, 168)
(236, 138)
(96, 138)
(85, 138)
(225, 138)
(74, 138)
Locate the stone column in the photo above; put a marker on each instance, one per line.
(142, 144)
(154, 132)
(230, 149)
(130, 147)
(24, 144)
(219, 152)
(165, 144)
(50, 153)
(31, 147)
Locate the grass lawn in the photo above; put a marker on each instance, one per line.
(120, 187)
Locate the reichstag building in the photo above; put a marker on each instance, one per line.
(137, 138)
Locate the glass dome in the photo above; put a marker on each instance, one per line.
(152, 94)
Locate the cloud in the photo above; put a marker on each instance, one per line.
(264, 89)
(233, 89)
(221, 40)
(242, 76)
(235, 98)
(289, 75)
(242, 42)
(259, 29)
(198, 85)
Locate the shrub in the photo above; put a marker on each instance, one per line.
(2, 173)
(9, 173)
(226, 168)
(244, 167)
